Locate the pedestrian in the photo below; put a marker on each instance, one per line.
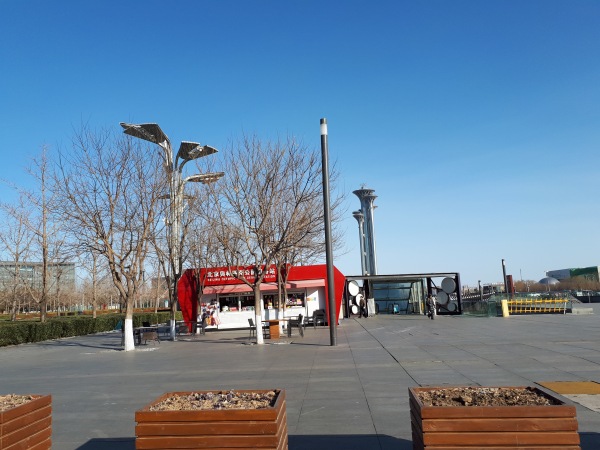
(203, 321)
(431, 306)
(363, 307)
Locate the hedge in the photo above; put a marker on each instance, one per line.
(13, 333)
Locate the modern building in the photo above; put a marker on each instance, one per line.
(29, 274)
(589, 273)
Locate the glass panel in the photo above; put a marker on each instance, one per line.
(392, 297)
(228, 303)
(296, 299)
(247, 302)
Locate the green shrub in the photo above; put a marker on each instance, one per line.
(21, 332)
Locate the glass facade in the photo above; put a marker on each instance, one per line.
(396, 297)
(234, 303)
(245, 302)
(61, 275)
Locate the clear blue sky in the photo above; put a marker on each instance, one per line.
(476, 122)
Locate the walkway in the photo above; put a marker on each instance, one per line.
(352, 396)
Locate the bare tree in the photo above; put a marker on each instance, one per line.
(306, 244)
(109, 189)
(203, 244)
(15, 242)
(40, 226)
(47, 239)
(268, 206)
(90, 261)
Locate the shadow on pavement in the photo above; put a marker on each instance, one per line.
(589, 440)
(109, 443)
(65, 342)
(347, 442)
(298, 442)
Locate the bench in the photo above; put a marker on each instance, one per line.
(149, 336)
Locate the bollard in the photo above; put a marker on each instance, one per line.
(505, 308)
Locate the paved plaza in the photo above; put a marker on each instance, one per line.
(351, 396)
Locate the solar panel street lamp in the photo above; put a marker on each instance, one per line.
(205, 178)
(193, 150)
(188, 151)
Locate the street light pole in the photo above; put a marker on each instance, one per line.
(328, 244)
(188, 151)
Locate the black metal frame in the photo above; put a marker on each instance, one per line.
(427, 278)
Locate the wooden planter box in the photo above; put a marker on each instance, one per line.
(27, 426)
(489, 427)
(225, 428)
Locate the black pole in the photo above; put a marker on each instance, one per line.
(328, 247)
(480, 291)
(505, 282)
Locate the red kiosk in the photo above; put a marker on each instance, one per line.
(230, 302)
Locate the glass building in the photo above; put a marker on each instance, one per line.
(29, 274)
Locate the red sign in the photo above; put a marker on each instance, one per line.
(217, 276)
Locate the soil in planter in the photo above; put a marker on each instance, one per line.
(13, 400)
(217, 400)
(484, 396)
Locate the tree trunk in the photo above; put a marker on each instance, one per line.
(129, 343)
(258, 309)
(13, 312)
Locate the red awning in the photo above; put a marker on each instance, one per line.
(307, 283)
(226, 289)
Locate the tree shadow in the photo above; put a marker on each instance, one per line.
(204, 340)
(114, 344)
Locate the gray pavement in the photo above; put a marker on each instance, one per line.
(351, 396)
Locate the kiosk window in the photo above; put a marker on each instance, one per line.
(228, 304)
(247, 302)
(296, 299)
(270, 301)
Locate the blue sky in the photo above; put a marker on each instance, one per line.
(476, 122)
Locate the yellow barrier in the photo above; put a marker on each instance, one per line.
(527, 306)
(505, 312)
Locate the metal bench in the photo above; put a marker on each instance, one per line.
(318, 316)
(296, 322)
(252, 328)
(149, 336)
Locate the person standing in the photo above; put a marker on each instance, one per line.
(363, 307)
(431, 306)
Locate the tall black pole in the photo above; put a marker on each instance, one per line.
(505, 281)
(328, 247)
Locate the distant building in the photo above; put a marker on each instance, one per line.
(30, 274)
(589, 273)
